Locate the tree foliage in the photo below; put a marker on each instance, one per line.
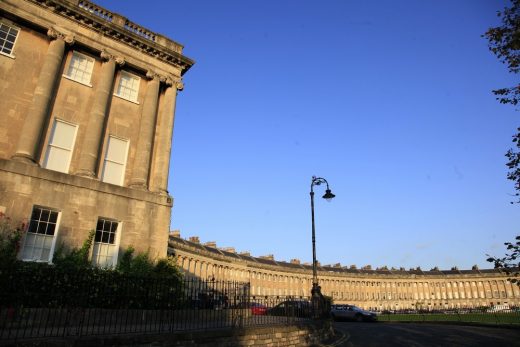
(10, 239)
(77, 258)
(510, 264)
(142, 265)
(504, 42)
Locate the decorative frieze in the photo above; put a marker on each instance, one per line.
(121, 29)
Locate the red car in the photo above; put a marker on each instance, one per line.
(258, 309)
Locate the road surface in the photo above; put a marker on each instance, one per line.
(410, 335)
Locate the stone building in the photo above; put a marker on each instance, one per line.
(379, 289)
(88, 101)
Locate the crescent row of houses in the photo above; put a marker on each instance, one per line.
(379, 289)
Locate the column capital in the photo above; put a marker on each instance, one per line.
(106, 56)
(54, 34)
(152, 75)
(176, 82)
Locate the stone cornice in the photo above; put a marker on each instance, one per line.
(119, 28)
(73, 181)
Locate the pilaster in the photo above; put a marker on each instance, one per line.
(38, 113)
(143, 153)
(161, 165)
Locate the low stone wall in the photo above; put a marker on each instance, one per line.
(303, 334)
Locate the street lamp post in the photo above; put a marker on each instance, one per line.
(316, 290)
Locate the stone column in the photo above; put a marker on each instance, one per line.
(90, 150)
(165, 122)
(146, 134)
(38, 113)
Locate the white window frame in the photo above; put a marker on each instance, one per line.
(11, 26)
(119, 86)
(68, 75)
(122, 179)
(115, 245)
(51, 145)
(54, 236)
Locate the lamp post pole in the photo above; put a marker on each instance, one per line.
(316, 290)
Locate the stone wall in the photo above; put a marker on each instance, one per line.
(81, 201)
(300, 335)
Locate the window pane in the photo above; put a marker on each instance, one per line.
(39, 237)
(112, 173)
(7, 38)
(63, 135)
(33, 226)
(57, 159)
(60, 146)
(103, 254)
(42, 227)
(30, 239)
(80, 68)
(54, 217)
(50, 229)
(116, 150)
(115, 160)
(36, 213)
(98, 235)
(45, 215)
(128, 86)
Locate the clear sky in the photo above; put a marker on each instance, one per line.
(390, 101)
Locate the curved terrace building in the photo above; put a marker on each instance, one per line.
(379, 289)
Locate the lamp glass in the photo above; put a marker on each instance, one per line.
(328, 195)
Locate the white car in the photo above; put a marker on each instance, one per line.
(351, 312)
(499, 308)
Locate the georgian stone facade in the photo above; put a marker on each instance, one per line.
(88, 101)
(372, 289)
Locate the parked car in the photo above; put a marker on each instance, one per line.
(291, 308)
(499, 308)
(351, 312)
(258, 309)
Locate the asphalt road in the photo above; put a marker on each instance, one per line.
(410, 335)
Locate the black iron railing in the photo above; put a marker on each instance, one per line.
(61, 304)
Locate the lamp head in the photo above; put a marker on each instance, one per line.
(328, 195)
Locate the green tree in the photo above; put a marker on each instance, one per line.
(504, 42)
(77, 258)
(142, 265)
(10, 239)
(510, 264)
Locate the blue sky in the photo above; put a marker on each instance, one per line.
(390, 101)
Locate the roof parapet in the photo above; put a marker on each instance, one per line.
(269, 257)
(194, 239)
